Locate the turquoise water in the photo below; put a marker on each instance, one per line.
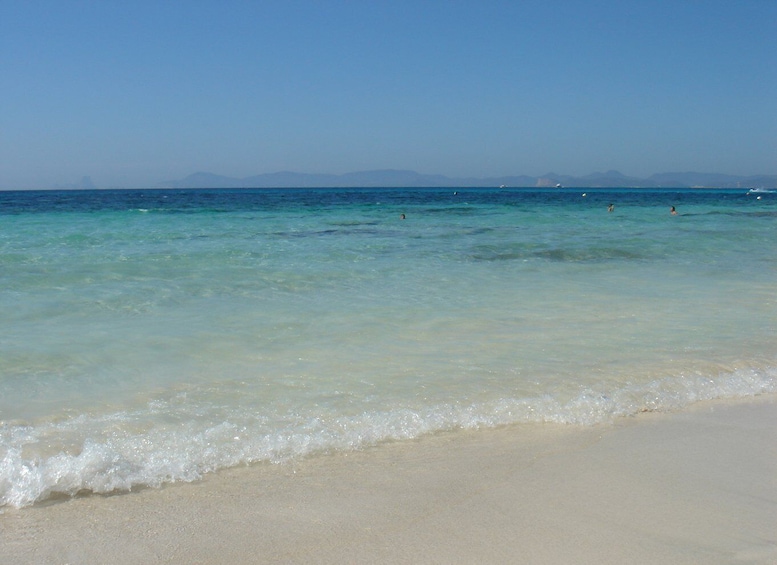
(152, 336)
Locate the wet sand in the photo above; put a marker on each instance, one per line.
(693, 487)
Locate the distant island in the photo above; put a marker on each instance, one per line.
(408, 179)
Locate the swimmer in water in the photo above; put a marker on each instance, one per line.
(611, 207)
(401, 216)
(673, 211)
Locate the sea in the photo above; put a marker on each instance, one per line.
(154, 336)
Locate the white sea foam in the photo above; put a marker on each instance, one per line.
(122, 451)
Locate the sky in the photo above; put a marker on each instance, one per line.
(136, 93)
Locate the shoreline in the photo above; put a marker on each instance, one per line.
(696, 486)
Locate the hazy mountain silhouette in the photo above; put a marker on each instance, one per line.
(401, 178)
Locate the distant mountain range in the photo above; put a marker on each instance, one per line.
(402, 179)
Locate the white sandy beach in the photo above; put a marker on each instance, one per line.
(692, 487)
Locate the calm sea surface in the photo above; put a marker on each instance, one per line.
(149, 336)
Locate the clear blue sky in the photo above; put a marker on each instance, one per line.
(136, 92)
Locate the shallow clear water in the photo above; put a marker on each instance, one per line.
(150, 336)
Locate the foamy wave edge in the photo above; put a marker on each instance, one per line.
(162, 456)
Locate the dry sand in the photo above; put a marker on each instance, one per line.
(693, 487)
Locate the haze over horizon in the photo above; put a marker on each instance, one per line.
(131, 95)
